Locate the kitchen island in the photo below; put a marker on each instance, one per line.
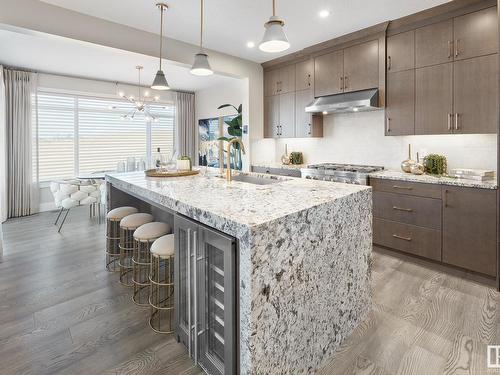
(303, 252)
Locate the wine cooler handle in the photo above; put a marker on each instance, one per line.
(188, 257)
(195, 283)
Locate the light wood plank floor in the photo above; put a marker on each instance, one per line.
(62, 313)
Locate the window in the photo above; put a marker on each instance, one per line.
(80, 135)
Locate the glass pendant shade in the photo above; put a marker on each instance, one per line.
(275, 39)
(201, 66)
(160, 82)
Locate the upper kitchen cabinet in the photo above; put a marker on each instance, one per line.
(279, 81)
(271, 116)
(286, 115)
(361, 69)
(434, 44)
(476, 34)
(304, 75)
(400, 108)
(271, 82)
(329, 74)
(307, 125)
(286, 82)
(475, 95)
(401, 52)
(434, 99)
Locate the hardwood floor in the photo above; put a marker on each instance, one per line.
(62, 313)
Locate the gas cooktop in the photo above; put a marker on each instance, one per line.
(347, 173)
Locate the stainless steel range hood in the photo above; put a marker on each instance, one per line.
(365, 100)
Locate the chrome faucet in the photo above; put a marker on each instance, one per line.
(229, 144)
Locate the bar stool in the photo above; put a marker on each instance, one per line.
(144, 236)
(113, 235)
(161, 277)
(128, 225)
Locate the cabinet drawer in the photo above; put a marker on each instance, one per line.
(423, 212)
(411, 239)
(408, 188)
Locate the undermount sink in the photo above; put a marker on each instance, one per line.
(256, 180)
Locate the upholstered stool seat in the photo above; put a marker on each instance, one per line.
(144, 236)
(113, 235)
(128, 225)
(161, 277)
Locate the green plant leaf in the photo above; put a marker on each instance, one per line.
(234, 132)
(223, 139)
(240, 108)
(227, 105)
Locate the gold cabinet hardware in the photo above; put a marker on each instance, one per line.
(309, 80)
(341, 83)
(402, 209)
(388, 124)
(389, 63)
(449, 121)
(456, 121)
(345, 82)
(450, 49)
(456, 47)
(401, 237)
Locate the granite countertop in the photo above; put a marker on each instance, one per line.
(279, 165)
(238, 202)
(401, 176)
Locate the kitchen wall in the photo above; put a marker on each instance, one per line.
(208, 100)
(359, 138)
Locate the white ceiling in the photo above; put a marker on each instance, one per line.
(230, 24)
(64, 56)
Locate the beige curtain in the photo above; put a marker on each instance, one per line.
(3, 154)
(22, 197)
(186, 126)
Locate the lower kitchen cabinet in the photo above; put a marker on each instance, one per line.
(469, 228)
(205, 298)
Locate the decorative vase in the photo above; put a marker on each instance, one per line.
(407, 164)
(285, 158)
(417, 168)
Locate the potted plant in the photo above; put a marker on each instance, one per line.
(235, 131)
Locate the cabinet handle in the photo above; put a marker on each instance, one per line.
(389, 63)
(388, 124)
(345, 82)
(195, 282)
(450, 49)
(309, 80)
(402, 187)
(449, 121)
(456, 121)
(189, 287)
(402, 209)
(456, 47)
(309, 129)
(401, 237)
(341, 83)
(446, 197)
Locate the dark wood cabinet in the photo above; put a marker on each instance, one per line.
(400, 107)
(475, 95)
(401, 52)
(307, 125)
(434, 44)
(286, 115)
(469, 228)
(361, 66)
(329, 74)
(304, 75)
(476, 34)
(434, 99)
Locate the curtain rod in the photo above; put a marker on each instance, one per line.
(10, 67)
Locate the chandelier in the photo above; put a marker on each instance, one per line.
(141, 103)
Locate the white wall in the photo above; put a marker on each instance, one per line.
(208, 100)
(359, 138)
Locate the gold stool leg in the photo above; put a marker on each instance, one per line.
(112, 245)
(162, 294)
(126, 253)
(141, 262)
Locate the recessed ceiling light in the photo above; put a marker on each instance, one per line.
(324, 13)
(250, 44)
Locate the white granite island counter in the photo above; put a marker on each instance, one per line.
(304, 252)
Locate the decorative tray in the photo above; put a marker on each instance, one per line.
(176, 173)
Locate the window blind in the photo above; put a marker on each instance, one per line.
(80, 135)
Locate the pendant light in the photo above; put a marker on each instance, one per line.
(201, 66)
(160, 82)
(274, 39)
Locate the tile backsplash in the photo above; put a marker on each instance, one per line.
(359, 138)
